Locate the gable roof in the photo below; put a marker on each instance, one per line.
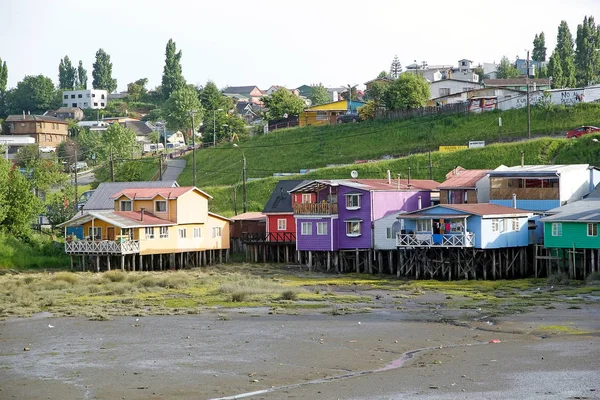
(140, 128)
(152, 192)
(534, 170)
(101, 199)
(120, 219)
(280, 200)
(249, 216)
(34, 118)
(239, 89)
(465, 179)
(515, 81)
(485, 210)
(371, 184)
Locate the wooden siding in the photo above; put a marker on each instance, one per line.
(574, 234)
(316, 209)
(524, 194)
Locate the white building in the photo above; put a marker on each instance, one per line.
(446, 87)
(84, 99)
(385, 230)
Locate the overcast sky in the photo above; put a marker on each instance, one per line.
(273, 42)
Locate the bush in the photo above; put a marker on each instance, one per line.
(238, 297)
(68, 277)
(289, 295)
(593, 278)
(115, 276)
(560, 278)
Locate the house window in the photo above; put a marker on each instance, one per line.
(389, 233)
(97, 232)
(65, 104)
(281, 224)
(93, 94)
(321, 228)
(306, 198)
(72, 96)
(74, 104)
(217, 231)
(149, 232)
(79, 96)
(592, 229)
(306, 228)
(456, 225)
(160, 206)
(352, 201)
(85, 104)
(557, 229)
(444, 92)
(102, 96)
(197, 233)
(163, 232)
(182, 233)
(321, 116)
(101, 104)
(515, 224)
(498, 225)
(88, 95)
(353, 228)
(125, 205)
(424, 225)
(95, 104)
(66, 96)
(127, 232)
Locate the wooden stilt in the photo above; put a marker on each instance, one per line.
(122, 263)
(108, 263)
(328, 261)
(97, 263)
(357, 262)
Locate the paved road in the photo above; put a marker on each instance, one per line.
(174, 169)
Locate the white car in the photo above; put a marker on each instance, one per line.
(47, 149)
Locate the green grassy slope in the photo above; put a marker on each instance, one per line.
(314, 147)
(538, 151)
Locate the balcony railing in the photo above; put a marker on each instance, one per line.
(437, 240)
(316, 208)
(525, 193)
(271, 237)
(102, 247)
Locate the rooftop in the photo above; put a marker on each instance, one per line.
(463, 179)
(150, 193)
(102, 200)
(250, 216)
(485, 210)
(280, 200)
(535, 170)
(371, 184)
(34, 118)
(515, 81)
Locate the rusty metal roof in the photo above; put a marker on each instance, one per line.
(465, 179)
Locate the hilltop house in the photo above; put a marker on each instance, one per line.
(249, 93)
(326, 114)
(446, 87)
(64, 113)
(45, 130)
(85, 98)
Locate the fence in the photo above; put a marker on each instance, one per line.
(455, 108)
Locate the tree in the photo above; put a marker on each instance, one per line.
(408, 91)
(507, 70)
(3, 83)
(102, 73)
(480, 73)
(35, 94)
(564, 49)
(136, 90)
(555, 70)
(353, 94)
(211, 98)
(282, 102)
(367, 111)
(82, 77)
(22, 205)
(172, 78)
(539, 48)
(395, 68)
(67, 74)
(319, 95)
(377, 91)
(59, 207)
(383, 74)
(587, 54)
(178, 108)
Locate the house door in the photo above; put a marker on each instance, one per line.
(110, 233)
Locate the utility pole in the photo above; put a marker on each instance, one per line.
(160, 167)
(192, 113)
(112, 166)
(244, 180)
(76, 190)
(528, 102)
(430, 167)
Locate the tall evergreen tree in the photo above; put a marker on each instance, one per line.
(564, 48)
(172, 78)
(395, 68)
(539, 48)
(67, 74)
(102, 72)
(587, 54)
(555, 70)
(212, 99)
(82, 78)
(3, 77)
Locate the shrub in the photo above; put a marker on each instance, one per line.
(68, 277)
(238, 297)
(114, 276)
(593, 278)
(560, 278)
(289, 295)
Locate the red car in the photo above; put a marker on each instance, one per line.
(584, 130)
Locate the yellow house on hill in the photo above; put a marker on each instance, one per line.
(326, 114)
(163, 227)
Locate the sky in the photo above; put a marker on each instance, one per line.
(273, 42)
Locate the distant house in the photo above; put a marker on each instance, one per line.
(463, 186)
(326, 114)
(64, 113)
(503, 96)
(250, 223)
(251, 93)
(140, 128)
(541, 187)
(447, 87)
(45, 130)
(519, 83)
(304, 90)
(87, 98)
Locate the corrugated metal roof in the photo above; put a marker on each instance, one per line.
(250, 216)
(590, 215)
(464, 179)
(280, 200)
(534, 170)
(481, 209)
(101, 199)
(120, 219)
(151, 193)
(371, 184)
(34, 118)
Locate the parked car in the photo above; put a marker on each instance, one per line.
(350, 117)
(47, 149)
(79, 165)
(584, 130)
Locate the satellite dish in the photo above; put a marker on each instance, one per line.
(354, 174)
(285, 115)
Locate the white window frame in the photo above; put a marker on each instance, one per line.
(557, 229)
(353, 228)
(389, 233)
(594, 227)
(97, 229)
(321, 228)
(515, 224)
(306, 198)
(156, 208)
(164, 232)
(217, 231)
(350, 203)
(281, 224)
(182, 233)
(127, 232)
(149, 232)
(126, 202)
(424, 225)
(197, 233)
(306, 228)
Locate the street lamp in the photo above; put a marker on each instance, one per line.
(215, 126)
(243, 176)
(192, 114)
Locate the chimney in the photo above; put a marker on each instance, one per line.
(514, 200)
(419, 203)
(389, 177)
(408, 182)
(522, 159)
(143, 210)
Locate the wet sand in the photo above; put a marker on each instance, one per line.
(296, 357)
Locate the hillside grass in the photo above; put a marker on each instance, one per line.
(291, 150)
(39, 252)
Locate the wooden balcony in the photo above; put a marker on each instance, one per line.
(102, 247)
(525, 193)
(316, 208)
(271, 237)
(430, 240)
